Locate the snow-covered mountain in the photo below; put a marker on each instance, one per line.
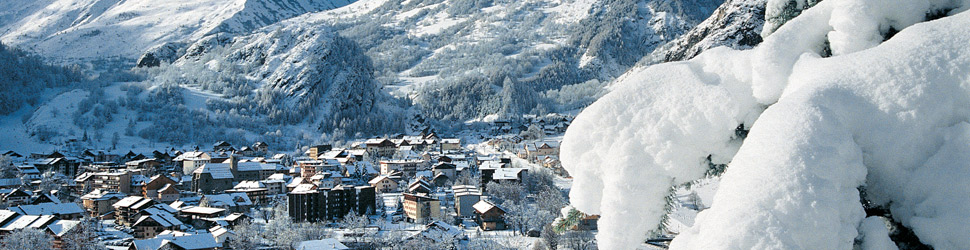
(326, 68)
(453, 57)
(858, 136)
(72, 31)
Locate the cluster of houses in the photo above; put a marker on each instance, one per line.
(192, 199)
(550, 124)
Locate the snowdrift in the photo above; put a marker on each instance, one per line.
(836, 101)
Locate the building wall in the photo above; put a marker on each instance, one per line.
(464, 205)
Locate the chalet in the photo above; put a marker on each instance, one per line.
(15, 197)
(212, 178)
(232, 202)
(39, 198)
(383, 184)
(421, 208)
(128, 210)
(201, 213)
(222, 146)
(59, 229)
(98, 203)
(489, 216)
(539, 150)
(29, 173)
(260, 148)
(63, 165)
(161, 188)
(420, 185)
(246, 151)
(383, 147)
(155, 220)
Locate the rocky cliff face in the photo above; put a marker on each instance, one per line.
(736, 24)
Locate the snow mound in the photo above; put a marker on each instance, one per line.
(887, 116)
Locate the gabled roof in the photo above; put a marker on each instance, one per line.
(161, 216)
(378, 179)
(133, 202)
(191, 155)
(61, 227)
(484, 206)
(217, 170)
(49, 209)
(249, 185)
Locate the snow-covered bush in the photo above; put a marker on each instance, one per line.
(887, 115)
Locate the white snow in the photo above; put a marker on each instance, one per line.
(70, 29)
(889, 117)
(435, 24)
(875, 234)
(571, 11)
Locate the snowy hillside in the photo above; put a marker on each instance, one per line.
(454, 57)
(73, 30)
(300, 75)
(849, 95)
